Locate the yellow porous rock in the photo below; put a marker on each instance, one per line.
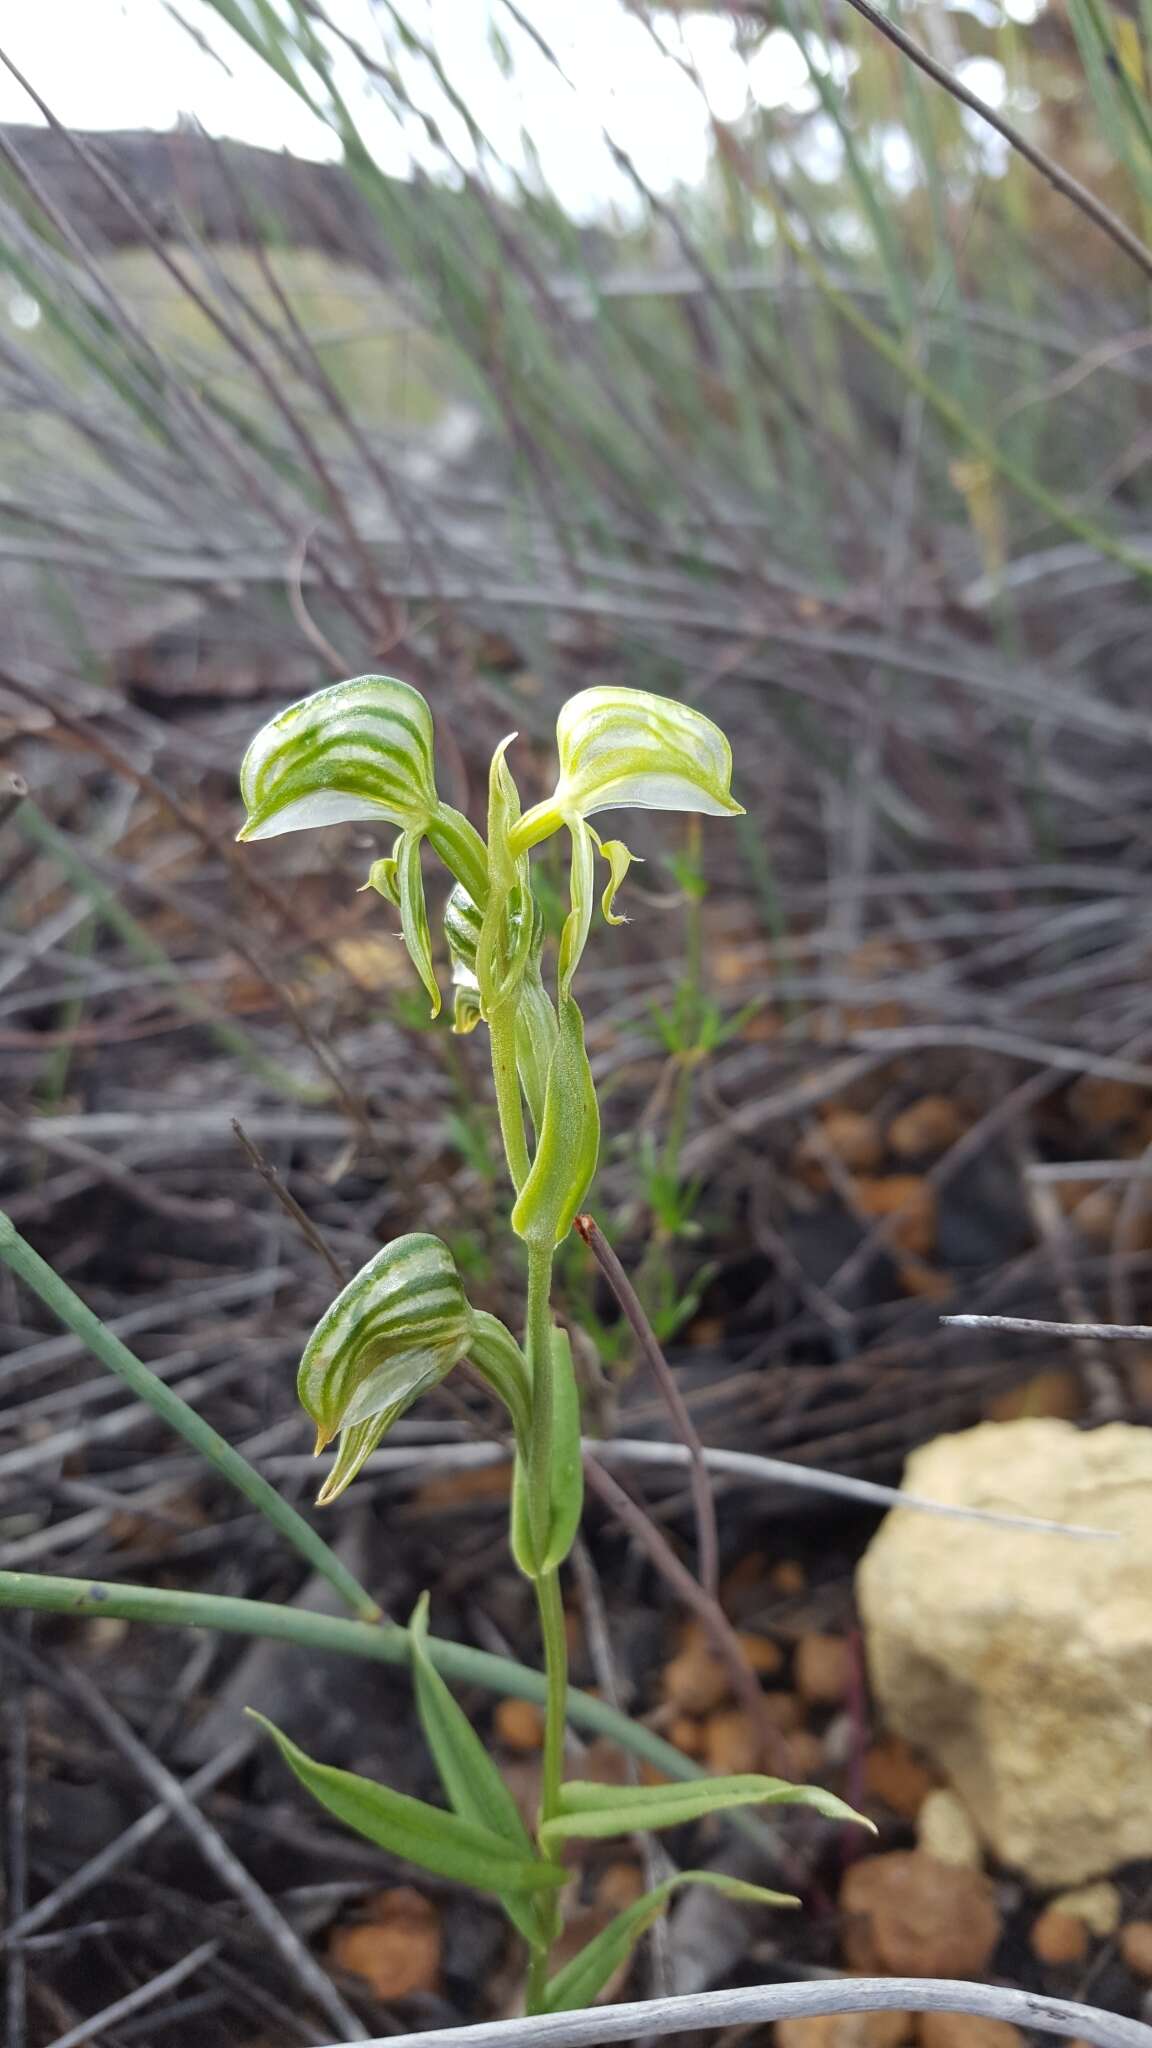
(1020, 1662)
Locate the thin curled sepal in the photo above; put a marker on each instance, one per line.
(586, 843)
(399, 1326)
(569, 1142)
(399, 879)
(414, 913)
(358, 751)
(619, 858)
(630, 748)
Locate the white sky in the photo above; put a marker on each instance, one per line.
(128, 64)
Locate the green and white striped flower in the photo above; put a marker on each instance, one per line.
(394, 1332)
(404, 1321)
(359, 752)
(629, 749)
(623, 748)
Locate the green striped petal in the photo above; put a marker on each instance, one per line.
(358, 751)
(396, 1329)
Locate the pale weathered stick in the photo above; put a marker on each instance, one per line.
(1031, 1326)
(738, 1464)
(766, 2002)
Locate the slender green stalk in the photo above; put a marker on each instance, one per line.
(76, 1316)
(328, 1635)
(556, 1709)
(538, 1345)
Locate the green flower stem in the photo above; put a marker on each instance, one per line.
(76, 1316)
(538, 1350)
(328, 1635)
(538, 1345)
(551, 1611)
(510, 1108)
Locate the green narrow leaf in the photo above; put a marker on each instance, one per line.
(426, 1835)
(535, 1042)
(587, 1810)
(580, 1981)
(567, 1468)
(569, 1144)
(472, 1784)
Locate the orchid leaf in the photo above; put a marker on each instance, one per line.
(566, 1468)
(442, 1842)
(569, 1141)
(592, 1810)
(472, 1784)
(582, 1979)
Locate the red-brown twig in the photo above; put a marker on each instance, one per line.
(707, 1540)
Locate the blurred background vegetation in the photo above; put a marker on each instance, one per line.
(511, 346)
(721, 351)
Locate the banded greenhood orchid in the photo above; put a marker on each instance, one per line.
(622, 749)
(359, 752)
(628, 749)
(395, 1331)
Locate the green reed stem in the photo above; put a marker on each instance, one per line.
(331, 1635)
(76, 1316)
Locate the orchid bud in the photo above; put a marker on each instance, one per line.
(396, 1329)
(462, 925)
(535, 1019)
